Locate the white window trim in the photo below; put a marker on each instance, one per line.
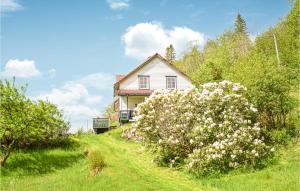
(147, 82)
(167, 84)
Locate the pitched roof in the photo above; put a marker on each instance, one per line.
(156, 55)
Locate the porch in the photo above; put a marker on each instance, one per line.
(127, 105)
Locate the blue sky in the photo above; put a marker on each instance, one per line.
(70, 50)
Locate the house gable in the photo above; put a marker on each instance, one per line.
(158, 69)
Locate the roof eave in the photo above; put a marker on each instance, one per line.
(134, 94)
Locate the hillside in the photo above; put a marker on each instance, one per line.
(129, 167)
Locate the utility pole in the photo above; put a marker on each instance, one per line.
(275, 41)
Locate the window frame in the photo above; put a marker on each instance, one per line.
(170, 77)
(139, 81)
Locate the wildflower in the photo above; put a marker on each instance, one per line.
(190, 165)
(253, 109)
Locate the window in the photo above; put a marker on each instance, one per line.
(144, 82)
(171, 82)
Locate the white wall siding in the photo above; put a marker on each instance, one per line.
(132, 101)
(157, 70)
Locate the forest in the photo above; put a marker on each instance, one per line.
(271, 75)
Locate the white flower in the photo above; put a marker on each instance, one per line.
(191, 164)
(235, 88)
(216, 144)
(253, 109)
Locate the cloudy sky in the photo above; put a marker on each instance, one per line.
(70, 50)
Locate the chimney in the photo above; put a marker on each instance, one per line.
(119, 77)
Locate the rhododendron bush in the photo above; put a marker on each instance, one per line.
(211, 129)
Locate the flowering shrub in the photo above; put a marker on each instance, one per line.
(212, 129)
(131, 134)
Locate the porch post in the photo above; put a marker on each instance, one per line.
(127, 103)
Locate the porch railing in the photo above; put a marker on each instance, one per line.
(125, 115)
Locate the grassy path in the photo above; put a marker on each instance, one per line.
(129, 168)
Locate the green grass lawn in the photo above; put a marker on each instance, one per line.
(129, 167)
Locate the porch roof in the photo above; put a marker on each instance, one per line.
(134, 92)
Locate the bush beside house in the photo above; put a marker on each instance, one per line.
(211, 130)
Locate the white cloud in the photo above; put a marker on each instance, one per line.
(20, 68)
(9, 5)
(144, 39)
(52, 73)
(72, 95)
(98, 81)
(118, 4)
(76, 100)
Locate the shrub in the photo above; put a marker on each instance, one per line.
(25, 123)
(96, 161)
(131, 134)
(114, 123)
(80, 132)
(212, 129)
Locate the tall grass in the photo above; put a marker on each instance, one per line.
(96, 161)
(129, 167)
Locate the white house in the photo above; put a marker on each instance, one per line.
(155, 73)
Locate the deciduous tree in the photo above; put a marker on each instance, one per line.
(24, 122)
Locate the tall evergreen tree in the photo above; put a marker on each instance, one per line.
(170, 54)
(240, 24)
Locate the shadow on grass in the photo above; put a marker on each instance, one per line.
(40, 161)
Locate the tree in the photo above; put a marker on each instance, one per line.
(24, 123)
(109, 109)
(240, 24)
(191, 61)
(170, 54)
(287, 34)
(232, 56)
